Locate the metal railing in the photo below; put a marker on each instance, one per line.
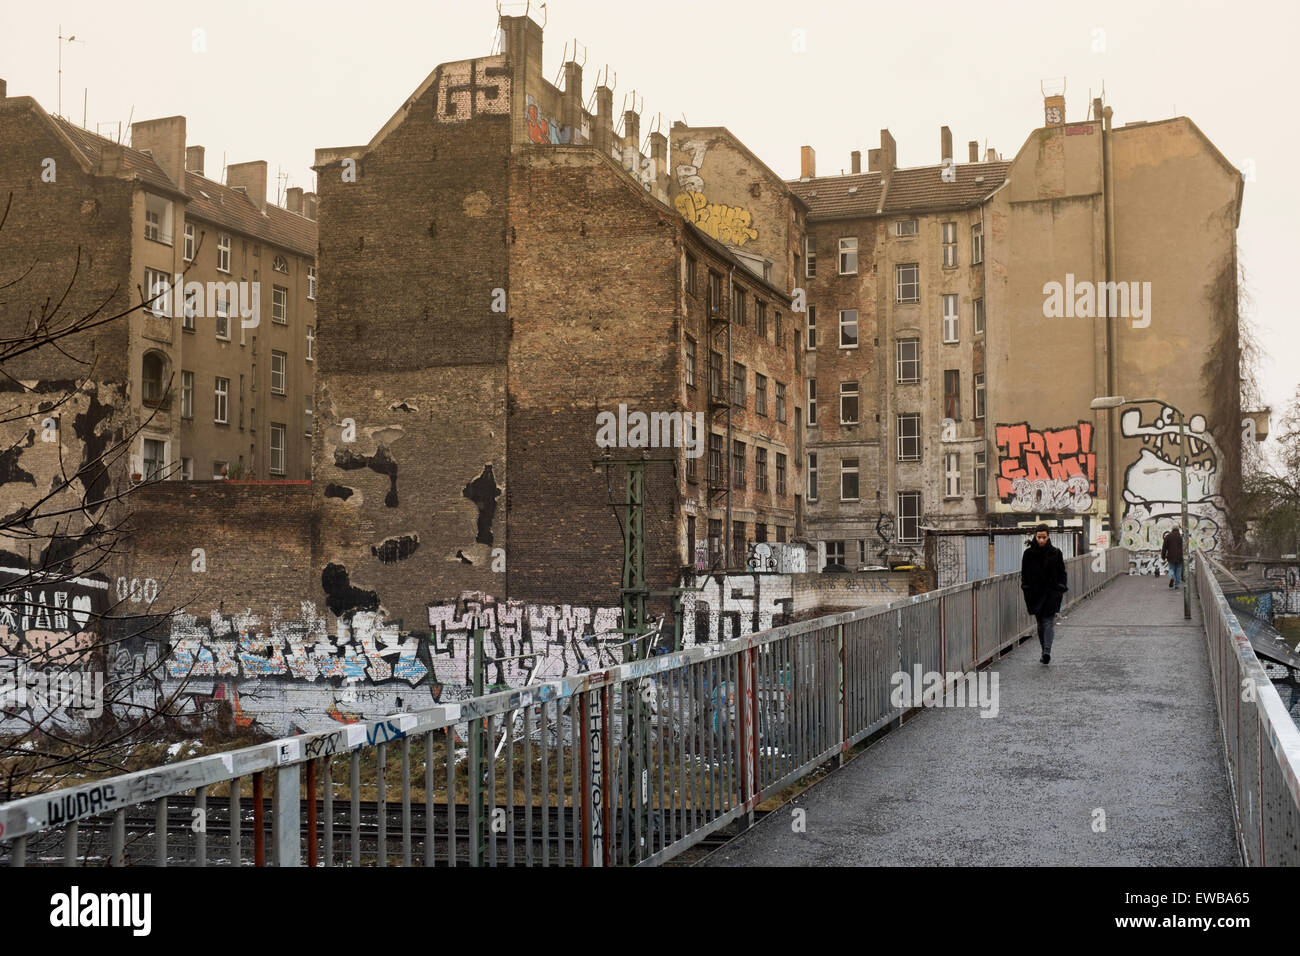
(630, 765)
(1260, 740)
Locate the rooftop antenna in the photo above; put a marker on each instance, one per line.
(129, 117)
(62, 40)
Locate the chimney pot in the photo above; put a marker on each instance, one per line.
(807, 163)
(856, 158)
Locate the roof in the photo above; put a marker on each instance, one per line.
(206, 199)
(918, 189)
(141, 165)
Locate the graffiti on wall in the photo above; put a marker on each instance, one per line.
(1048, 470)
(49, 620)
(724, 606)
(545, 130)
(1153, 488)
(473, 88)
(730, 224)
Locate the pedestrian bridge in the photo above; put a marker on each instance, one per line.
(1148, 740)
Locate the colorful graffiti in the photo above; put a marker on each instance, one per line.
(1051, 470)
(1153, 488)
(729, 224)
(544, 130)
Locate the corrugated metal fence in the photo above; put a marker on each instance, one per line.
(630, 765)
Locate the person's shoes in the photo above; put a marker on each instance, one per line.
(1047, 658)
(1171, 582)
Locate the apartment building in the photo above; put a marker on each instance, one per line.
(216, 369)
(894, 278)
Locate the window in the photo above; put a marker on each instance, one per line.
(849, 479)
(760, 394)
(715, 541)
(812, 476)
(311, 343)
(277, 449)
(780, 473)
(950, 319)
(279, 368)
(690, 362)
(909, 517)
(812, 328)
(219, 470)
(848, 257)
(909, 361)
(848, 403)
(848, 328)
(909, 437)
(979, 394)
(949, 245)
(738, 372)
(738, 543)
(952, 394)
(690, 539)
(777, 336)
(780, 401)
(158, 219)
(187, 394)
(952, 475)
(155, 458)
(760, 469)
(311, 282)
(909, 282)
(835, 553)
(760, 534)
(907, 227)
(977, 243)
(223, 252)
(189, 243)
(780, 533)
(690, 276)
(738, 306)
(157, 292)
(222, 314)
(151, 378)
(810, 253)
(692, 469)
(978, 315)
(279, 305)
(737, 464)
(715, 376)
(760, 319)
(221, 401)
(308, 417)
(190, 311)
(187, 469)
(715, 459)
(981, 474)
(715, 293)
(812, 402)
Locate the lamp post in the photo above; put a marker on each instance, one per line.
(1115, 401)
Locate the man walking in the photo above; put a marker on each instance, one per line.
(1042, 578)
(1172, 552)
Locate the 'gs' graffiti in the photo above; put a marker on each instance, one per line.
(730, 224)
(1053, 469)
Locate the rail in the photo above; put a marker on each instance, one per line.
(627, 766)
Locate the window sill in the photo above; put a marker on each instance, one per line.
(847, 348)
(162, 241)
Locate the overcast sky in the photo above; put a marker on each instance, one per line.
(280, 78)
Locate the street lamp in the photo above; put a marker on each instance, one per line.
(1115, 401)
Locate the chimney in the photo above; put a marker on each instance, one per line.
(111, 159)
(974, 151)
(252, 177)
(945, 143)
(604, 116)
(855, 161)
(807, 163)
(659, 153)
(293, 199)
(165, 140)
(194, 159)
(571, 102)
(873, 160)
(309, 205)
(4, 89)
(991, 155)
(632, 131)
(888, 153)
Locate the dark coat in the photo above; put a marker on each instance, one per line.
(1172, 549)
(1042, 579)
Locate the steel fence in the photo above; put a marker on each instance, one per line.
(1260, 740)
(630, 765)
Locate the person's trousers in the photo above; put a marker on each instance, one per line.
(1176, 573)
(1046, 630)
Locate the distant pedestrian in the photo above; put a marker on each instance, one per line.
(1172, 552)
(1042, 578)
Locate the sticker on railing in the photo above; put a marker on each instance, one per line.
(288, 751)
